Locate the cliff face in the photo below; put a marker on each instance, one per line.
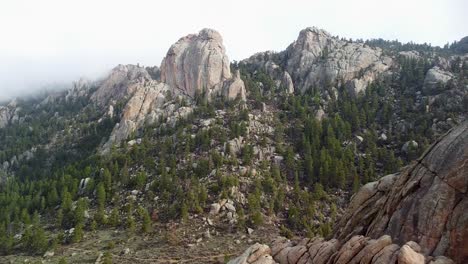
(416, 216)
(317, 58)
(197, 63)
(121, 83)
(426, 203)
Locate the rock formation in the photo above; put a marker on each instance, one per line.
(197, 64)
(416, 216)
(234, 88)
(317, 59)
(194, 64)
(425, 203)
(435, 80)
(8, 114)
(122, 82)
(145, 100)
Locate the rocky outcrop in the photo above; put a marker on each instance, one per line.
(416, 216)
(8, 114)
(256, 254)
(435, 80)
(196, 63)
(358, 249)
(317, 58)
(146, 106)
(425, 204)
(121, 83)
(79, 88)
(234, 88)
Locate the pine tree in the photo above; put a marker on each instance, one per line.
(184, 212)
(114, 218)
(101, 196)
(78, 233)
(146, 220)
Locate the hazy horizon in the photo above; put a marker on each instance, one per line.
(52, 41)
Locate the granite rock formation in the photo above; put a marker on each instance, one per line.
(198, 63)
(416, 216)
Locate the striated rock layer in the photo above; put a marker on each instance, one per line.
(416, 216)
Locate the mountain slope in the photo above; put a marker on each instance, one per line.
(203, 155)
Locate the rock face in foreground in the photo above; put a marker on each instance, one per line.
(417, 216)
(426, 203)
(198, 63)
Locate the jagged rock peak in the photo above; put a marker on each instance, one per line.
(122, 81)
(195, 63)
(317, 58)
(312, 39)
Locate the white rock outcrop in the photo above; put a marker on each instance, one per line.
(121, 83)
(435, 80)
(196, 63)
(316, 58)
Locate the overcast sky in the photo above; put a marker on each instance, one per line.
(47, 41)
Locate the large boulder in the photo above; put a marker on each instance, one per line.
(195, 63)
(256, 254)
(435, 80)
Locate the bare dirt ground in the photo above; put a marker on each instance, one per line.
(176, 243)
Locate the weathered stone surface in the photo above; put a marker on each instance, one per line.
(287, 83)
(317, 58)
(435, 80)
(408, 256)
(196, 62)
(256, 254)
(121, 83)
(425, 204)
(422, 209)
(145, 106)
(8, 113)
(234, 88)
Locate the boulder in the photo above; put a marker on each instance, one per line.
(408, 144)
(435, 80)
(407, 255)
(215, 208)
(256, 254)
